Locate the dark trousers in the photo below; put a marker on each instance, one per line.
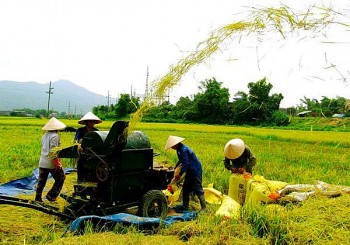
(59, 177)
(191, 184)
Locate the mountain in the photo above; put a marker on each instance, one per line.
(66, 96)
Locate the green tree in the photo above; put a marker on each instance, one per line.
(330, 107)
(126, 105)
(257, 107)
(347, 107)
(101, 111)
(326, 107)
(184, 109)
(160, 113)
(311, 105)
(211, 105)
(241, 109)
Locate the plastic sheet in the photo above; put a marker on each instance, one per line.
(109, 221)
(25, 185)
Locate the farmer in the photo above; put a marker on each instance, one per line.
(49, 162)
(238, 157)
(89, 120)
(193, 169)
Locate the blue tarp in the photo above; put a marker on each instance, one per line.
(25, 185)
(109, 221)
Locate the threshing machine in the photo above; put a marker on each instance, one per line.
(114, 172)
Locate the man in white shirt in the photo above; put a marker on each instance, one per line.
(49, 163)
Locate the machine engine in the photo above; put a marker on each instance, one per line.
(114, 172)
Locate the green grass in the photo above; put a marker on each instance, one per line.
(293, 156)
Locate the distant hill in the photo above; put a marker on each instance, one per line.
(67, 97)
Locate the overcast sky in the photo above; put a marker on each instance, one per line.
(107, 45)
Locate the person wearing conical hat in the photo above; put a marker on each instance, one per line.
(48, 163)
(190, 165)
(238, 157)
(89, 120)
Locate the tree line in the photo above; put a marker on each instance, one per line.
(213, 105)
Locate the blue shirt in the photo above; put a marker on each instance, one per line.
(81, 132)
(190, 163)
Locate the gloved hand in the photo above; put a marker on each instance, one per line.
(177, 177)
(242, 170)
(234, 170)
(57, 163)
(170, 188)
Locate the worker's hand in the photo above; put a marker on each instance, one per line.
(234, 170)
(170, 188)
(242, 170)
(177, 177)
(57, 163)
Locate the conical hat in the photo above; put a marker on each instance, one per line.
(54, 124)
(89, 117)
(234, 148)
(172, 140)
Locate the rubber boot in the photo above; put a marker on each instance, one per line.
(38, 198)
(185, 203)
(203, 204)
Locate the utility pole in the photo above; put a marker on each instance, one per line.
(108, 98)
(146, 92)
(48, 103)
(69, 114)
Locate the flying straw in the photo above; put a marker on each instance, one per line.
(282, 20)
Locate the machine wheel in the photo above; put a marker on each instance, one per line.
(102, 171)
(153, 204)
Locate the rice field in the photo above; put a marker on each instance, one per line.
(285, 155)
(292, 156)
